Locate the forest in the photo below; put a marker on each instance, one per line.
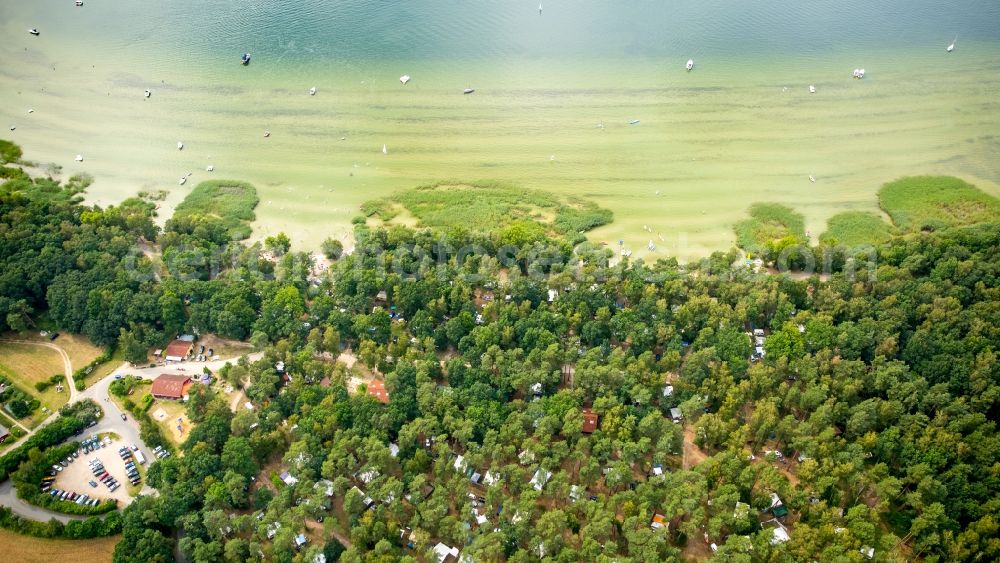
(541, 403)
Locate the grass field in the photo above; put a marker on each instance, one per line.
(932, 202)
(80, 350)
(106, 368)
(230, 201)
(769, 222)
(30, 363)
(25, 365)
(27, 549)
(855, 228)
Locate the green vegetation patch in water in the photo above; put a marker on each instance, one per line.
(771, 226)
(855, 228)
(489, 207)
(919, 203)
(227, 201)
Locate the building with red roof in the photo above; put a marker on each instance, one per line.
(590, 420)
(169, 386)
(377, 389)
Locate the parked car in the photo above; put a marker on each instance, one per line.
(123, 416)
(92, 483)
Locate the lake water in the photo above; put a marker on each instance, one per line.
(742, 127)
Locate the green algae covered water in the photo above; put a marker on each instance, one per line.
(555, 95)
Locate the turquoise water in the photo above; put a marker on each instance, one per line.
(740, 128)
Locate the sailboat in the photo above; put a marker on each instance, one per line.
(952, 46)
(385, 149)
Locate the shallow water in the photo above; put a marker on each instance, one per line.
(742, 127)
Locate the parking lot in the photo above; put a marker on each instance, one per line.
(78, 475)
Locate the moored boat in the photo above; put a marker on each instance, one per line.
(147, 93)
(405, 78)
(812, 89)
(33, 31)
(245, 59)
(690, 64)
(468, 90)
(312, 91)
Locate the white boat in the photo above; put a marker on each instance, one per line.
(312, 91)
(385, 149)
(952, 46)
(690, 64)
(859, 73)
(183, 179)
(209, 168)
(812, 178)
(79, 2)
(267, 134)
(405, 78)
(79, 158)
(33, 31)
(468, 90)
(180, 146)
(812, 89)
(147, 93)
(634, 122)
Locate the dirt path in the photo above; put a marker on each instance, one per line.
(692, 453)
(316, 527)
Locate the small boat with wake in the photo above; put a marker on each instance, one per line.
(951, 47)
(245, 59)
(79, 3)
(634, 122)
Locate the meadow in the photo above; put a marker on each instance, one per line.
(855, 228)
(769, 222)
(487, 207)
(921, 203)
(28, 549)
(230, 201)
